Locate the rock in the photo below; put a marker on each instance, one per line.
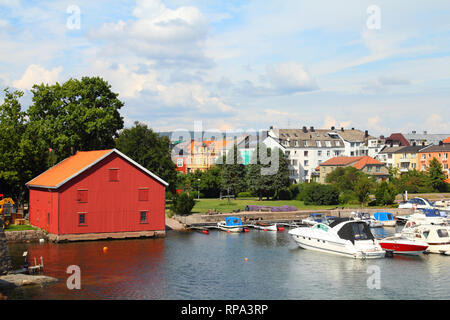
(18, 280)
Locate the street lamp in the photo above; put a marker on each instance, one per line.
(198, 189)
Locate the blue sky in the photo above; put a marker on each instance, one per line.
(243, 64)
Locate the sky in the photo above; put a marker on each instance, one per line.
(382, 66)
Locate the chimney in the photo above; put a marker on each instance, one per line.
(366, 133)
(425, 132)
(332, 128)
(311, 129)
(342, 129)
(441, 143)
(414, 144)
(353, 128)
(271, 128)
(305, 130)
(414, 132)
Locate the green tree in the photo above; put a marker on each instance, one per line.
(363, 189)
(76, 115)
(183, 204)
(259, 183)
(385, 193)
(280, 181)
(150, 150)
(436, 176)
(320, 194)
(344, 178)
(20, 158)
(233, 172)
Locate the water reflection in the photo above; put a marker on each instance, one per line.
(254, 265)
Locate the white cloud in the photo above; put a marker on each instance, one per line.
(36, 74)
(168, 36)
(290, 77)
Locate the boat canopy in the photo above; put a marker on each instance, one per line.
(355, 230)
(433, 213)
(383, 216)
(233, 221)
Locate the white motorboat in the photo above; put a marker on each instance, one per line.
(231, 224)
(347, 237)
(364, 216)
(436, 236)
(266, 226)
(424, 218)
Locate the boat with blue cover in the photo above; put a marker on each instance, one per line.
(231, 224)
(386, 218)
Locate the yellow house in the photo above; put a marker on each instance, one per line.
(407, 159)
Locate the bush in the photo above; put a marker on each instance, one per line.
(244, 194)
(295, 190)
(284, 194)
(320, 194)
(385, 193)
(183, 204)
(347, 196)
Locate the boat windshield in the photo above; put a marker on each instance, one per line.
(320, 226)
(442, 233)
(359, 232)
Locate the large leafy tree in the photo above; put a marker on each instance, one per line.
(76, 115)
(20, 157)
(233, 172)
(150, 150)
(436, 176)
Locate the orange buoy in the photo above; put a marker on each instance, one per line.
(105, 249)
(246, 259)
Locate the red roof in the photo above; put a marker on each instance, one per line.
(398, 137)
(73, 166)
(357, 162)
(446, 140)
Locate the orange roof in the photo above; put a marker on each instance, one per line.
(357, 162)
(76, 164)
(446, 140)
(67, 168)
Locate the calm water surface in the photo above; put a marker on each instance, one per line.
(197, 266)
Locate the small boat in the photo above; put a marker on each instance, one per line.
(266, 226)
(315, 218)
(386, 218)
(344, 236)
(365, 217)
(436, 236)
(401, 245)
(231, 224)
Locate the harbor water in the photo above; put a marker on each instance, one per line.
(257, 265)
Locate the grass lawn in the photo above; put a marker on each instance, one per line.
(203, 205)
(13, 227)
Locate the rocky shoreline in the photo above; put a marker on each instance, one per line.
(19, 280)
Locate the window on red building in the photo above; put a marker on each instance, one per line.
(82, 219)
(82, 195)
(143, 217)
(113, 174)
(143, 194)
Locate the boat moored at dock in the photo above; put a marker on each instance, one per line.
(401, 245)
(231, 224)
(386, 218)
(346, 237)
(436, 236)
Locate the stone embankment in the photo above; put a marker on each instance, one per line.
(249, 216)
(5, 259)
(25, 236)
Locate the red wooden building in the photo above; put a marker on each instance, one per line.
(97, 195)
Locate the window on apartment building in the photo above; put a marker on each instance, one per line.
(319, 144)
(296, 143)
(319, 153)
(378, 169)
(328, 153)
(424, 156)
(445, 166)
(445, 155)
(336, 153)
(352, 153)
(328, 143)
(352, 144)
(113, 174)
(143, 194)
(413, 165)
(304, 143)
(305, 153)
(305, 163)
(82, 195)
(306, 173)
